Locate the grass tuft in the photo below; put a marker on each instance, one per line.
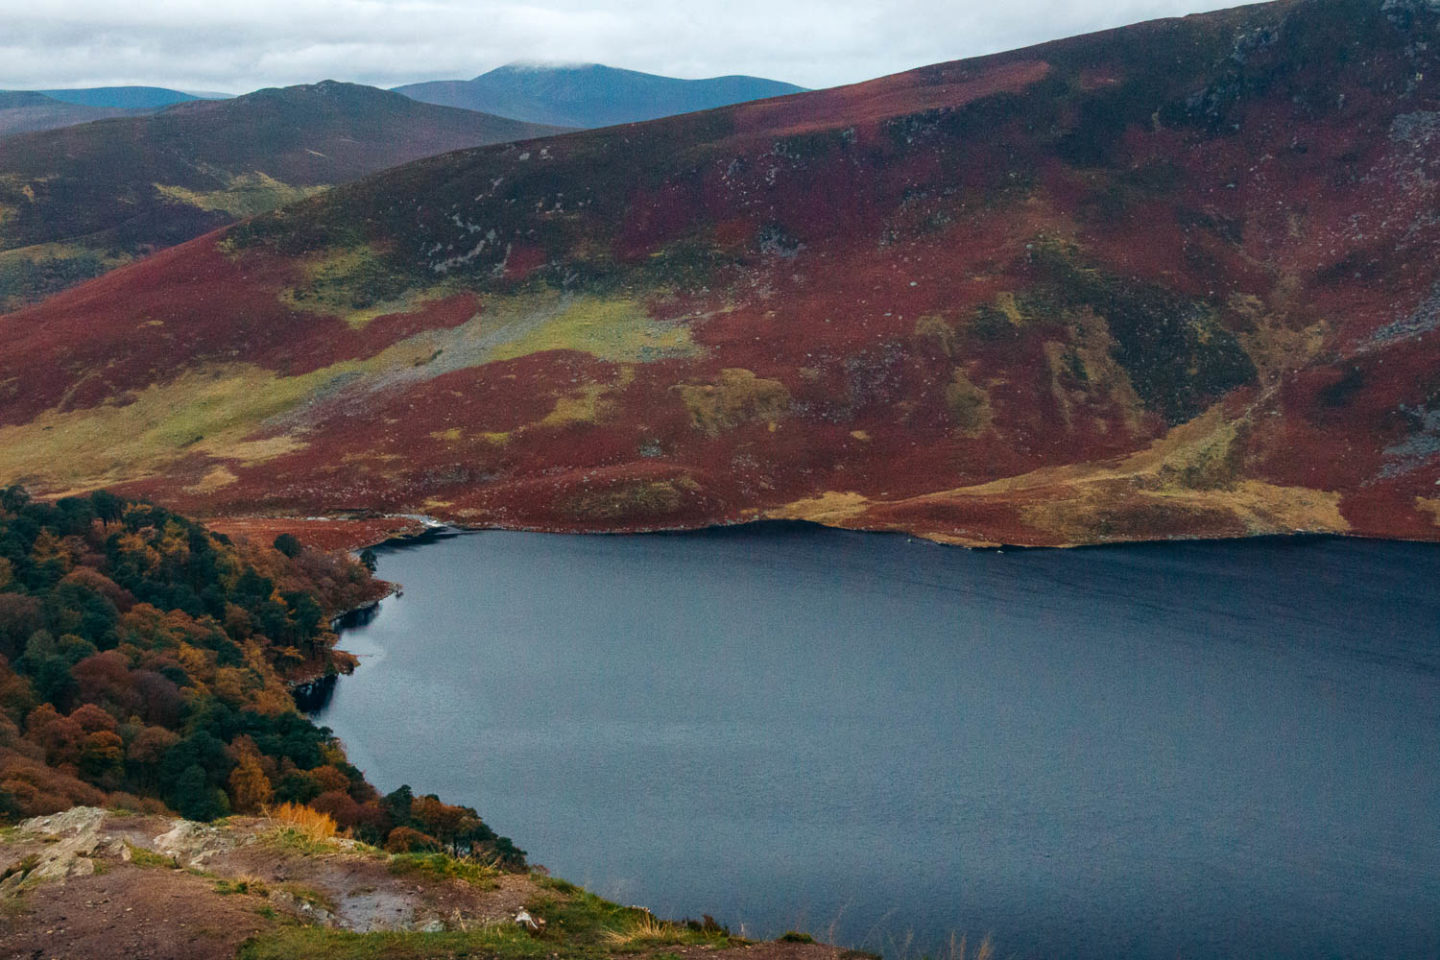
(958, 950)
(311, 824)
(243, 886)
(141, 857)
(441, 866)
(645, 930)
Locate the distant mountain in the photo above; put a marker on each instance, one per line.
(30, 111)
(590, 95)
(127, 98)
(76, 201)
(1177, 280)
(25, 111)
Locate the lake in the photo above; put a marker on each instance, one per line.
(1193, 750)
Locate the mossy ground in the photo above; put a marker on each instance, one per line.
(31, 273)
(354, 284)
(245, 195)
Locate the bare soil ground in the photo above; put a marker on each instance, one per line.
(89, 884)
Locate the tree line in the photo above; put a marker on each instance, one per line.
(144, 664)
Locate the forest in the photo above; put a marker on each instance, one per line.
(146, 664)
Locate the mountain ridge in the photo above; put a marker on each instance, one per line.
(590, 94)
(28, 111)
(126, 97)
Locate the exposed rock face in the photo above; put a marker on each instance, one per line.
(74, 838)
(1174, 280)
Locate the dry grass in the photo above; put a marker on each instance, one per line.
(736, 397)
(959, 950)
(310, 824)
(243, 885)
(645, 930)
(969, 405)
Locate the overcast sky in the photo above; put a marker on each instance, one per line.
(241, 45)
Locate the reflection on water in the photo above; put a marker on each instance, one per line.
(1194, 750)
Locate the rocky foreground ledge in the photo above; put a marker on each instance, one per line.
(94, 883)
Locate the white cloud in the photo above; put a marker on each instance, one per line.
(240, 45)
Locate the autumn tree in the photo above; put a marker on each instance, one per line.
(249, 787)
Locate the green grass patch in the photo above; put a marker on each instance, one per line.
(292, 840)
(357, 285)
(141, 857)
(583, 921)
(619, 330)
(28, 274)
(245, 886)
(556, 884)
(440, 866)
(795, 936)
(246, 195)
(316, 943)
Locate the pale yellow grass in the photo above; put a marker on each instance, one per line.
(646, 930)
(1186, 471)
(311, 824)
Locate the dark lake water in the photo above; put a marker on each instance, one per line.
(1179, 751)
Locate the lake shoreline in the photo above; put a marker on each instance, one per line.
(597, 610)
(437, 530)
(357, 530)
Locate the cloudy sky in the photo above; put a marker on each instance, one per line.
(241, 45)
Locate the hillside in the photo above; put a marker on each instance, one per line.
(25, 111)
(78, 201)
(1173, 280)
(590, 95)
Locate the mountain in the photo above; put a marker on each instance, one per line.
(22, 111)
(78, 201)
(127, 98)
(590, 95)
(1180, 279)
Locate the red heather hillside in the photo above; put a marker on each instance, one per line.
(1173, 280)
